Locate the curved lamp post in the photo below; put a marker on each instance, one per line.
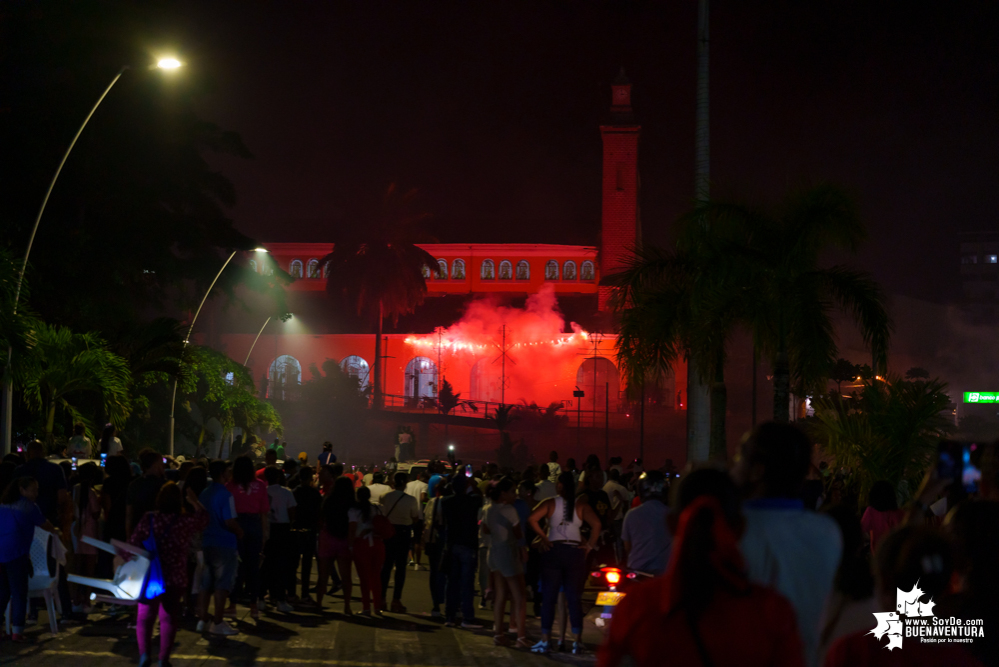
(8, 398)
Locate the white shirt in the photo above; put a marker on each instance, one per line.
(377, 491)
(796, 552)
(401, 509)
(501, 518)
(114, 447)
(79, 446)
(545, 491)
(618, 496)
(417, 488)
(282, 499)
(368, 479)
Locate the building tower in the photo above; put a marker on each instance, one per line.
(621, 227)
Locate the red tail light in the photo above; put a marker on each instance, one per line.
(613, 576)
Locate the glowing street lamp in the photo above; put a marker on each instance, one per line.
(8, 402)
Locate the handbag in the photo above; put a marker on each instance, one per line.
(153, 585)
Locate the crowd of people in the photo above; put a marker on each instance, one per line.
(769, 563)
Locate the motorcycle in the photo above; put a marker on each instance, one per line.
(617, 580)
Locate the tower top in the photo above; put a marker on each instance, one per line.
(621, 100)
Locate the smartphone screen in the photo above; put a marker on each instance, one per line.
(468, 470)
(104, 459)
(74, 462)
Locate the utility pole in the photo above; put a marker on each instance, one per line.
(606, 422)
(502, 358)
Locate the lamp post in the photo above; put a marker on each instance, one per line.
(250, 351)
(187, 339)
(8, 390)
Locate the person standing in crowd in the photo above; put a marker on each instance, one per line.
(593, 495)
(379, 488)
(252, 509)
(554, 469)
(306, 526)
(270, 461)
(368, 550)
(143, 490)
(279, 560)
(53, 491)
(80, 446)
(785, 546)
(563, 560)
(114, 500)
(506, 563)
(460, 515)
(570, 466)
(86, 517)
(110, 444)
(433, 533)
(402, 511)
(220, 543)
(327, 457)
(418, 490)
(705, 609)
(172, 530)
(334, 540)
(436, 471)
(545, 487)
(19, 515)
(197, 481)
(620, 499)
(646, 539)
(882, 513)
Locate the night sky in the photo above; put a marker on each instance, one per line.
(491, 110)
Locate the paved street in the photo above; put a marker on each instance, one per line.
(302, 638)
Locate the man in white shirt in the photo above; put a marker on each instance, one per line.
(418, 489)
(378, 488)
(620, 497)
(402, 510)
(786, 547)
(546, 488)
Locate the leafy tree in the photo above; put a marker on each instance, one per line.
(331, 401)
(66, 371)
(377, 267)
(843, 371)
(917, 373)
(503, 417)
(448, 400)
(890, 431)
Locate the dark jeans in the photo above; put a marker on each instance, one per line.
(562, 567)
(248, 580)
(396, 554)
(461, 582)
(307, 554)
(14, 577)
(279, 561)
(438, 578)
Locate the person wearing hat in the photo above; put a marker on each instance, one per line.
(327, 457)
(303, 459)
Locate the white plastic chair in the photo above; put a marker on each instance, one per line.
(126, 587)
(44, 582)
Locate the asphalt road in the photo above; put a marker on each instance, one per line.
(304, 637)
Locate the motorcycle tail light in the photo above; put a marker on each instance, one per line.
(613, 576)
(632, 575)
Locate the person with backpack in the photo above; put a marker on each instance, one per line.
(403, 511)
(168, 530)
(368, 549)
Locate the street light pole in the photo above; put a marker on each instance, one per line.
(187, 339)
(250, 351)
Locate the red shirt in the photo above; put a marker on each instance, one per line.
(173, 541)
(252, 500)
(877, 524)
(863, 650)
(757, 629)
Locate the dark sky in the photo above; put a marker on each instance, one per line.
(491, 110)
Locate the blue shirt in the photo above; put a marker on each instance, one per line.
(50, 482)
(327, 458)
(17, 528)
(432, 485)
(221, 507)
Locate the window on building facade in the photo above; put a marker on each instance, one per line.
(283, 378)
(569, 270)
(313, 266)
(253, 266)
(295, 268)
(441, 269)
(551, 270)
(488, 270)
(523, 270)
(421, 378)
(969, 259)
(458, 269)
(586, 271)
(426, 272)
(506, 270)
(357, 368)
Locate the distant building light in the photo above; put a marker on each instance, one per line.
(992, 259)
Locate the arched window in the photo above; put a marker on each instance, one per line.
(441, 269)
(421, 378)
(295, 268)
(284, 377)
(488, 270)
(357, 368)
(551, 270)
(313, 267)
(523, 270)
(326, 270)
(569, 270)
(426, 272)
(458, 269)
(586, 271)
(506, 270)
(596, 376)
(253, 266)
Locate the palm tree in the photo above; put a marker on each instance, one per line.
(378, 267)
(66, 369)
(503, 417)
(788, 298)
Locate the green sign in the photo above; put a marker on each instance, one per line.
(981, 397)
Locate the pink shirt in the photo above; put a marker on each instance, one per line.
(877, 524)
(252, 500)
